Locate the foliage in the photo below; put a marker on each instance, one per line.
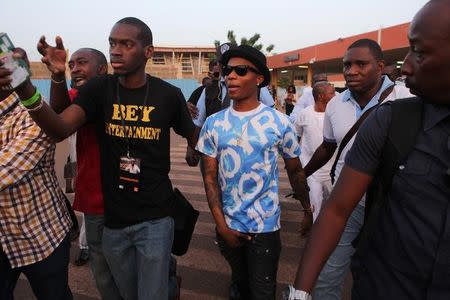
(252, 41)
(284, 82)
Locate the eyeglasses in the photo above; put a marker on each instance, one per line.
(240, 70)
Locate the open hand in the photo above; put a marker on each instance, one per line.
(53, 57)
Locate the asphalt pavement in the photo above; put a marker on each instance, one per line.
(204, 272)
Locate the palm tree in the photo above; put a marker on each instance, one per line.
(231, 36)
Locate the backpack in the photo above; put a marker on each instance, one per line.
(406, 123)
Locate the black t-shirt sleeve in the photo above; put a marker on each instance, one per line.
(89, 97)
(365, 154)
(182, 122)
(196, 95)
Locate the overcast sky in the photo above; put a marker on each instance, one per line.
(287, 24)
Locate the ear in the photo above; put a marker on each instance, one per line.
(148, 50)
(259, 80)
(102, 69)
(380, 65)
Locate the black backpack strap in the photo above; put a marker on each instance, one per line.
(348, 136)
(406, 122)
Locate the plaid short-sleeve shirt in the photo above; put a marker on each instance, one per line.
(33, 217)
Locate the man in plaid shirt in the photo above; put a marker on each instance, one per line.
(34, 220)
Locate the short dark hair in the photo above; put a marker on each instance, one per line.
(100, 58)
(319, 77)
(320, 88)
(145, 34)
(373, 47)
(294, 90)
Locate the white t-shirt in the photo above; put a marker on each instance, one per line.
(343, 111)
(73, 147)
(305, 100)
(309, 126)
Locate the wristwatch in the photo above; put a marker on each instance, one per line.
(290, 293)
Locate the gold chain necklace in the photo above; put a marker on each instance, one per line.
(239, 139)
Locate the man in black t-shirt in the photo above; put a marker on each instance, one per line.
(133, 113)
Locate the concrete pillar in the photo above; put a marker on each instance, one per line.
(309, 76)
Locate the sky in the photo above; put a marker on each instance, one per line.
(288, 24)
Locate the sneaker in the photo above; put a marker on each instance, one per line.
(83, 257)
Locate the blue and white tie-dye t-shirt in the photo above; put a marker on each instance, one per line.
(246, 146)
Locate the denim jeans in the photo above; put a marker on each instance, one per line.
(254, 265)
(139, 257)
(100, 269)
(331, 279)
(82, 239)
(48, 278)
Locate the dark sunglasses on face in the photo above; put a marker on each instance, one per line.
(240, 70)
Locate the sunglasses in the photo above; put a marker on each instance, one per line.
(240, 70)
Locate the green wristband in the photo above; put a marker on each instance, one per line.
(31, 101)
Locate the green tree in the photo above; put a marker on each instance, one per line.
(284, 82)
(252, 41)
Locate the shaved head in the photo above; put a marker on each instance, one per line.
(427, 64)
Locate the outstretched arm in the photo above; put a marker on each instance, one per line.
(320, 157)
(57, 127)
(55, 60)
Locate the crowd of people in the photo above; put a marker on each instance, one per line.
(370, 167)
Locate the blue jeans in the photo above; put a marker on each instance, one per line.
(139, 257)
(100, 269)
(331, 279)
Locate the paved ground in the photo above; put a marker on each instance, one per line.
(205, 273)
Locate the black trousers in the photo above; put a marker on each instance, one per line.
(48, 278)
(254, 265)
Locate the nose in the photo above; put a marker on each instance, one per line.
(407, 67)
(232, 75)
(75, 68)
(351, 69)
(115, 51)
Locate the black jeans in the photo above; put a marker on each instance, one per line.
(48, 278)
(254, 265)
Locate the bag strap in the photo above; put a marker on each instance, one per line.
(349, 135)
(406, 122)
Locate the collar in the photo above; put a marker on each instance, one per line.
(433, 114)
(7, 104)
(386, 83)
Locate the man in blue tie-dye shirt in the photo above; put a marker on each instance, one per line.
(239, 147)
